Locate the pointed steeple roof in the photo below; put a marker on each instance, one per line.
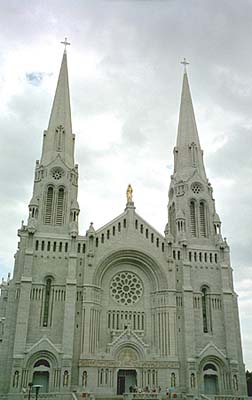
(59, 139)
(189, 156)
(187, 128)
(61, 110)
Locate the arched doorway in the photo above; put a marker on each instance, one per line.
(41, 375)
(126, 379)
(211, 385)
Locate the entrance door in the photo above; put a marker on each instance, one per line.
(126, 378)
(41, 378)
(211, 384)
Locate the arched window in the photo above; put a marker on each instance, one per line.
(193, 381)
(172, 221)
(15, 379)
(49, 205)
(206, 311)
(60, 206)
(193, 218)
(210, 366)
(173, 379)
(47, 301)
(42, 363)
(202, 219)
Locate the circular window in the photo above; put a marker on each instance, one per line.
(126, 288)
(57, 173)
(196, 187)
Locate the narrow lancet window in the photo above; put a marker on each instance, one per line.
(193, 218)
(206, 312)
(47, 301)
(172, 221)
(49, 205)
(202, 218)
(60, 206)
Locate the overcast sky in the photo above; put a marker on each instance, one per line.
(125, 81)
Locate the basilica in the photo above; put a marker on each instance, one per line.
(122, 306)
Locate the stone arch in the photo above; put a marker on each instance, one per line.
(143, 261)
(211, 372)
(134, 350)
(41, 366)
(42, 355)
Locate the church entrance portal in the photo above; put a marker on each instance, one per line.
(125, 379)
(41, 378)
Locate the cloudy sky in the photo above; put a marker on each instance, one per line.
(125, 80)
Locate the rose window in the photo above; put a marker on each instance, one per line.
(126, 288)
(57, 173)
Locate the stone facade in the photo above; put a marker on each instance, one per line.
(121, 305)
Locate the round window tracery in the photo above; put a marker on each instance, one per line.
(126, 288)
(57, 173)
(196, 187)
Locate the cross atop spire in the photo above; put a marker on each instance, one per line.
(66, 43)
(185, 63)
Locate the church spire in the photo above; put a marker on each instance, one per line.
(188, 153)
(58, 139)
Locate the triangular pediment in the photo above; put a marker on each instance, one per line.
(211, 350)
(43, 344)
(131, 223)
(127, 337)
(57, 162)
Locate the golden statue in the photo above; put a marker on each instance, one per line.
(129, 193)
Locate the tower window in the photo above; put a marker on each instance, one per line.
(206, 310)
(49, 205)
(193, 218)
(47, 301)
(60, 206)
(202, 219)
(172, 220)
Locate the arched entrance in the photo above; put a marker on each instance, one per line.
(126, 379)
(210, 379)
(41, 375)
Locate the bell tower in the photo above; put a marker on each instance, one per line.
(191, 208)
(54, 206)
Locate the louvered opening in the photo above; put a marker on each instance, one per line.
(193, 218)
(49, 206)
(202, 213)
(60, 207)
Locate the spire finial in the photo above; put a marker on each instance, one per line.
(129, 193)
(66, 43)
(185, 63)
